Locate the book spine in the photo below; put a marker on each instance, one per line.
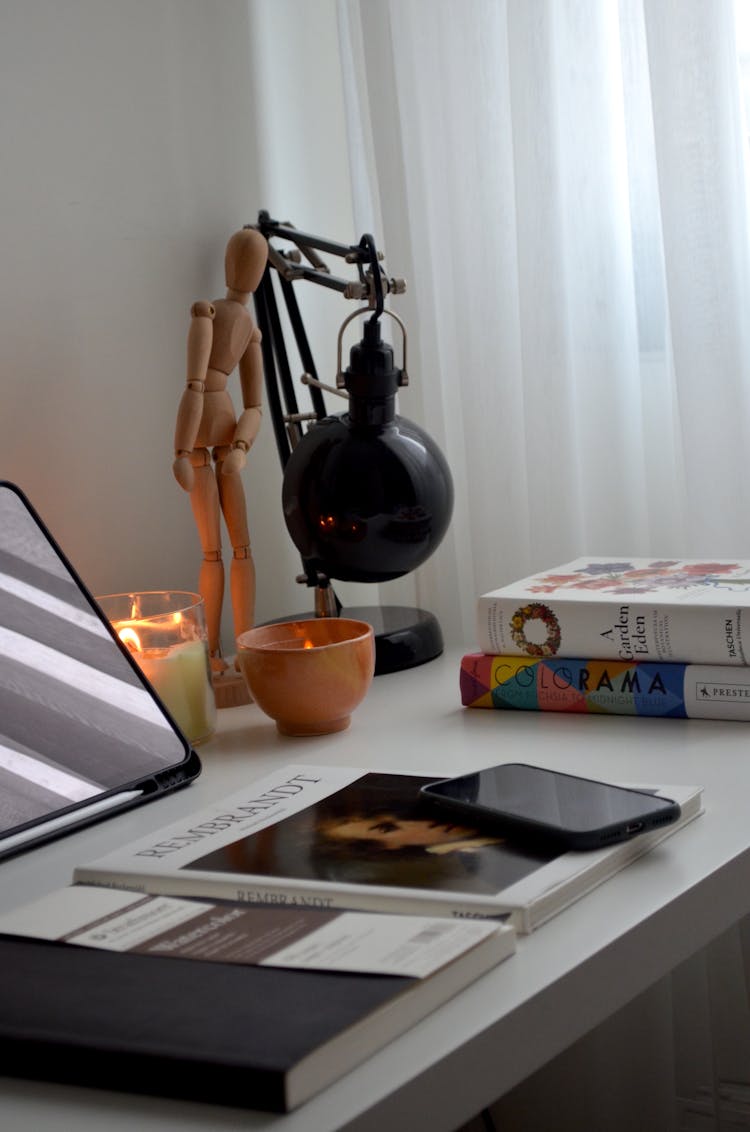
(255, 890)
(606, 687)
(616, 629)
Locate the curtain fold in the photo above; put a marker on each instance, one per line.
(563, 183)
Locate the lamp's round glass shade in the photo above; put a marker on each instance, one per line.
(366, 504)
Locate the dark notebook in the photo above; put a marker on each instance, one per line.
(246, 1036)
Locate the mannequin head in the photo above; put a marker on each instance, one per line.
(245, 260)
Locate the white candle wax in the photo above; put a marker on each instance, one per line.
(181, 678)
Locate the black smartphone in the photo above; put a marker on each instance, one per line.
(532, 802)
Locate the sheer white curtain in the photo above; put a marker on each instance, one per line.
(564, 185)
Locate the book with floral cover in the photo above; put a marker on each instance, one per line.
(688, 611)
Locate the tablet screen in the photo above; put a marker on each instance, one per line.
(77, 720)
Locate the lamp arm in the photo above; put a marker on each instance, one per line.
(316, 271)
(353, 253)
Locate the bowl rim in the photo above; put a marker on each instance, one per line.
(280, 645)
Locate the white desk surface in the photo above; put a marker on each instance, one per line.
(570, 975)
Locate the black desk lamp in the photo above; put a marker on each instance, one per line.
(367, 495)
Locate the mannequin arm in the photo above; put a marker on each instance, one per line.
(248, 424)
(190, 411)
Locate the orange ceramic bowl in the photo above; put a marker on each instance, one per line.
(308, 675)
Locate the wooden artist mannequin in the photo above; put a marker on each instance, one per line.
(222, 336)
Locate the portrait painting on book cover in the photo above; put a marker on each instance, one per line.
(379, 831)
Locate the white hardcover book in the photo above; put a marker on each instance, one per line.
(337, 837)
(637, 609)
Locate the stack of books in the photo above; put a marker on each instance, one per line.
(254, 951)
(639, 636)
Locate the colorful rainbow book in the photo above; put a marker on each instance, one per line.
(605, 687)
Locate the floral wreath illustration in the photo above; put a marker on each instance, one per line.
(535, 611)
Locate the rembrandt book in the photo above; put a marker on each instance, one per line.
(338, 837)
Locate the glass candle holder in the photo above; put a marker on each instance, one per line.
(165, 630)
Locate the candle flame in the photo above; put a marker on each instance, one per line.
(308, 645)
(129, 638)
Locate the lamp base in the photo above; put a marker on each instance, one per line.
(404, 637)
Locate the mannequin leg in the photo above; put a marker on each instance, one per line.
(204, 499)
(242, 569)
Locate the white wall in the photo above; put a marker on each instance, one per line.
(136, 136)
